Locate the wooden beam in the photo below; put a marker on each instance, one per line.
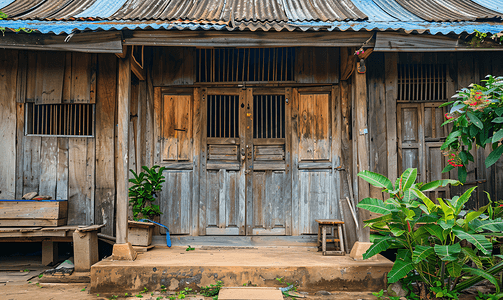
(124, 96)
(361, 136)
(247, 39)
(91, 42)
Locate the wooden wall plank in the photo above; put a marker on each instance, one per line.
(8, 79)
(317, 65)
(173, 66)
(31, 164)
(391, 82)
(31, 76)
(106, 100)
(51, 79)
(48, 165)
(377, 126)
(196, 154)
(82, 77)
(62, 170)
(203, 189)
(295, 177)
(22, 76)
(77, 156)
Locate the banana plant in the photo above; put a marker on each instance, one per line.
(438, 241)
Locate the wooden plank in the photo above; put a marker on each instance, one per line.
(149, 132)
(51, 79)
(62, 170)
(203, 173)
(245, 175)
(314, 127)
(169, 142)
(377, 128)
(123, 96)
(97, 42)
(31, 76)
(196, 154)
(31, 164)
(77, 206)
(39, 222)
(8, 67)
(391, 83)
(67, 78)
(248, 39)
(22, 76)
(288, 161)
(48, 166)
(294, 158)
(184, 127)
(175, 201)
(90, 181)
(48, 210)
(19, 149)
(106, 100)
(81, 78)
(360, 87)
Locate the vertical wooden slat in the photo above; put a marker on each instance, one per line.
(48, 164)
(8, 79)
(106, 100)
(20, 136)
(391, 61)
(62, 170)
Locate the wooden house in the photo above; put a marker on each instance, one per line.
(260, 111)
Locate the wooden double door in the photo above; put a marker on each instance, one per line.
(246, 176)
(248, 161)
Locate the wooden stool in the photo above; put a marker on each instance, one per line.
(336, 236)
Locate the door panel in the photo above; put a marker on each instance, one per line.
(268, 177)
(225, 203)
(314, 129)
(177, 127)
(223, 177)
(175, 207)
(316, 199)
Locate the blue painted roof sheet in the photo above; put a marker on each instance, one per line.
(430, 16)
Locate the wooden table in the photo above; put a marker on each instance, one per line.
(84, 238)
(336, 236)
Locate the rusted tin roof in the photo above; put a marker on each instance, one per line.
(434, 16)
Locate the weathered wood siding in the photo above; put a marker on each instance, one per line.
(79, 169)
(407, 135)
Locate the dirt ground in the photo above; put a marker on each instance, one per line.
(64, 291)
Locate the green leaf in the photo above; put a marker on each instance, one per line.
(435, 230)
(400, 269)
(475, 120)
(447, 210)
(499, 111)
(380, 219)
(446, 224)
(462, 174)
(376, 179)
(497, 136)
(478, 240)
(430, 186)
(421, 253)
(472, 216)
(396, 230)
(374, 205)
(448, 252)
(484, 274)
(454, 268)
(495, 225)
(377, 247)
(494, 156)
(498, 120)
(460, 202)
(447, 168)
(451, 138)
(408, 178)
(476, 279)
(427, 201)
(471, 255)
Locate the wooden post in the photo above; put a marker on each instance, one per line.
(49, 252)
(85, 250)
(361, 133)
(391, 82)
(124, 95)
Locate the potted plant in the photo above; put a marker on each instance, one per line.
(142, 195)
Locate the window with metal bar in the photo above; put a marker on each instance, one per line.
(222, 116)
(422, 82)
(245, 65)
(269, 121)
(59, 119)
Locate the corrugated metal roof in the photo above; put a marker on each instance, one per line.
(448, 10)
(433, 16)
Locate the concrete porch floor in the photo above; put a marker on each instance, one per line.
(176, 268)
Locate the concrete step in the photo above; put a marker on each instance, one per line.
(176, 268)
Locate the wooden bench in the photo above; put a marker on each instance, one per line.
(84, 238)
(335, 230)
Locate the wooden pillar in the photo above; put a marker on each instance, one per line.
(123, 98)
(391, 82)
(49, 252)
(361, 136)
